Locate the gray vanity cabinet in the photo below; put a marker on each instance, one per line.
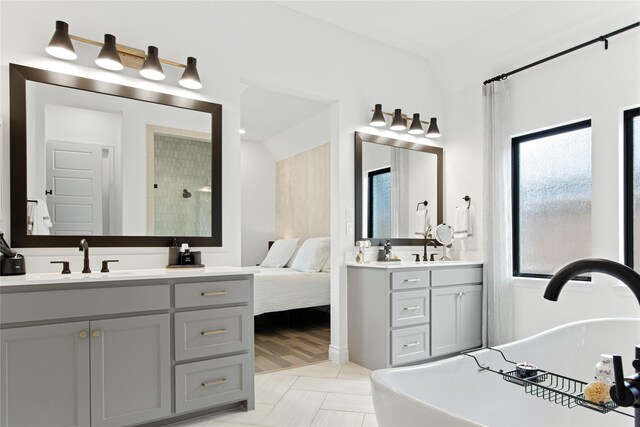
(409, 313)
(123, 364)
(45, 376)
(455, 321)
(130, 368)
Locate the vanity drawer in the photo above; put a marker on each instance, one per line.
(409, 279)
(409, 345)
(213, 382)
(211, 332)
(409, 308)
(212, 293)
(456, 276)
(34, 306)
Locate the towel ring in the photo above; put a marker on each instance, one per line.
(425, 203)
(467, 199)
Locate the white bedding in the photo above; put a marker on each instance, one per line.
(278, 289)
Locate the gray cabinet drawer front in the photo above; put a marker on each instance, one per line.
(212, 382)
(60, 304)
(409, 345)
(456, 276)
(409, 279)
(409, 308)
(212, 293)
(212, 332)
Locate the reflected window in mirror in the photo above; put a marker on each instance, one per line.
(379, 206)
(392, 177)
(121, 165)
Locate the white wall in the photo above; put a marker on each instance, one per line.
(234, 43)
(309, 134)
(258, 201)
(590, 83)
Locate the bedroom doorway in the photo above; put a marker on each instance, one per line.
(285, 197)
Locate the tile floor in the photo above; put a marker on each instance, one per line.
(323, 394)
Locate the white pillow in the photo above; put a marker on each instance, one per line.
(326, 268)
(293, 257)
(280, 253)
(312, 255)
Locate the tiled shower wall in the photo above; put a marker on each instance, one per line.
(179, 163)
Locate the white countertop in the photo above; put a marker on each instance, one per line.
(413, 264)
(30, 279)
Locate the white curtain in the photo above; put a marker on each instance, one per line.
(498, 270)
(399, 193)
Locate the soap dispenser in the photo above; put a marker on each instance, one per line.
(174, 253)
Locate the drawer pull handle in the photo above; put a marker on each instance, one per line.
(216, 332)
(213, 294)
(412, 344)
(415, 307)
(412, 280)
(213, 383)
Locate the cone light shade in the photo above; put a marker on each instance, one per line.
(190, 78)
(433, 131)
(152, 69)
(416, 126)
(109, 58)
(60, 45)
(377, 120)
(398, 122)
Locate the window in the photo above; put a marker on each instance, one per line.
(551, 173)
(632, 187)
(379, 215)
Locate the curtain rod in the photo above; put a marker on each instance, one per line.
(564, 52)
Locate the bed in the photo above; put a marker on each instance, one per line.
(279, 289)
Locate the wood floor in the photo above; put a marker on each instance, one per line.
(291, 339)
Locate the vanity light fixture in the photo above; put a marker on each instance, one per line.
(117, 56)
(60, 45)
(109, 58)
(400, 122)
(416, 126)
(152, 69)
(377, 120)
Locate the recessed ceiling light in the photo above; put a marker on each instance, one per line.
(242, 131)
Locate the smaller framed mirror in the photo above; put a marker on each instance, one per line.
(393, 180)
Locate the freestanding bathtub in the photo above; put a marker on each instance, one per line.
(453, 392)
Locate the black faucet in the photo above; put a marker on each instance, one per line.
(428, 242)
(84, 246)
(626, 391)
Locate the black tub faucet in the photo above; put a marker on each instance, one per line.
(626, 391)
(84, 246)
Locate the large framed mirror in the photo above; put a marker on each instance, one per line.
(393, 179)
(117, 165)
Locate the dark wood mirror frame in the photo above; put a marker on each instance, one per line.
(18, 76)
(365, 137)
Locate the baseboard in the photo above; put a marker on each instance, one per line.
(338, 355)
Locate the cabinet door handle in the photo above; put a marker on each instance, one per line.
(83, 334)
(213, 294)
(415, 307)
(213, 383)
(216, 332)
(412, 280)
(460, 294)
(412, 344)
(96, 333)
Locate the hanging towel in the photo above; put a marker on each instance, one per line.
(423, 222)
(38, 219)
(462, 226)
